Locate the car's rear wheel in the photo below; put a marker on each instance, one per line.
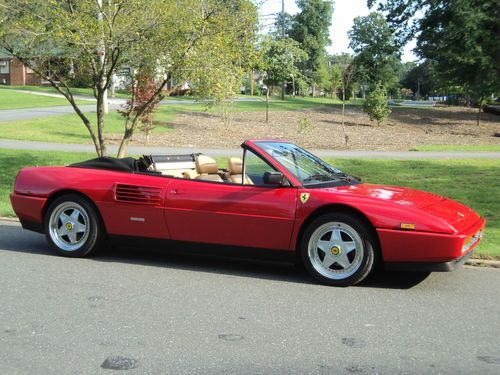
(73, 226)
(338, 249)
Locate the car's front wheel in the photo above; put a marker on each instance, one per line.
(73, 226)
(338, 249)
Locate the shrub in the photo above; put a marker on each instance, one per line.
(376, 105)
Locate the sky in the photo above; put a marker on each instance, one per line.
(343, 15)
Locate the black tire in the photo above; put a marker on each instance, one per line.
(349, 245)
(73, 227)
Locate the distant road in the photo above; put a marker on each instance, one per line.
(155, 313)
(114, 103)
(158, 150)
(30, 113)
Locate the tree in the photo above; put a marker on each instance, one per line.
(310, 29)
(346, 67)
(422, 80)
(279, 63)
(141, 91)
(460, 37)
(170, 41)
(334, 79)
(279, 27)
(377, 53)
(376, 106)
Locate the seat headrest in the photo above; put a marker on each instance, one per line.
(205, 164)
(235, 166)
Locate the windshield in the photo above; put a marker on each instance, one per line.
(307, 168)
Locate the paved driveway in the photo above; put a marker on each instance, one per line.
(151, 313)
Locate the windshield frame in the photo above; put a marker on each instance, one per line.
(301, 164)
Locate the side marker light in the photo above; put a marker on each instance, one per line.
(407, 226)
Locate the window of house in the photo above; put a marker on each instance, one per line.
(4, 67)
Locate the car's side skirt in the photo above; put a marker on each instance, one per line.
(182, 247)
(31, 225)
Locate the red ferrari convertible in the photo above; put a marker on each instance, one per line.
(277, 197)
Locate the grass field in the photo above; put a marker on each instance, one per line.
(290, 103)
(70, 129)
(253, 104)
(63, 129)
(19, 100)
(472, 182)
(458, 148)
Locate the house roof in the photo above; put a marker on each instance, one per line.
(4, 54)
(40, 51)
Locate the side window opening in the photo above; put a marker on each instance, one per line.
(254, 169)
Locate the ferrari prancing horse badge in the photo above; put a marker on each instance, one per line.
(304, 197)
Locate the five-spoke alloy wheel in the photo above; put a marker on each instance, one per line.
(73, 226)
(338, 249)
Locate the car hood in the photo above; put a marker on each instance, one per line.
(399, 195)
(454, 216)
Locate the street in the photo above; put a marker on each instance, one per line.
(145, 312)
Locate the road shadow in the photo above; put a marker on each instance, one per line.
(14, 238)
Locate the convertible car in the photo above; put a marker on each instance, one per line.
(276, 197)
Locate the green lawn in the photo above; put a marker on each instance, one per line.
(290, 104)
(64, 128)
(17, 100)
(70, 129)
(458, 148)
(472, 182)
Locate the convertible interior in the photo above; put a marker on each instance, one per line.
(191, 166)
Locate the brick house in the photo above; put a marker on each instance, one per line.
(14, 72)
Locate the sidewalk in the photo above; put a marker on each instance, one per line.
(156, 150)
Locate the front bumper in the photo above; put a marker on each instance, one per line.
(427, 266)
(411, 247)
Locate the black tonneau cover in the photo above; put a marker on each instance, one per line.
(111, 164)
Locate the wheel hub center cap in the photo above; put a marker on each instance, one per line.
(335, 250)
(69, 226)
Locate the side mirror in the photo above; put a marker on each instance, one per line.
(274, 178)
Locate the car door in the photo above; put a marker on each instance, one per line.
(231, 214)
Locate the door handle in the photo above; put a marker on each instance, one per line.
(177, 191)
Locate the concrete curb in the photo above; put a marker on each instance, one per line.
(11, 219)
(471, 262)
(483, 263)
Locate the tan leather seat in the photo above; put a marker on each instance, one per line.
(190, 174)
(173, 173)
(235, 169)
(207, 169)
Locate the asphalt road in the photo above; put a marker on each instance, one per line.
(152, 313)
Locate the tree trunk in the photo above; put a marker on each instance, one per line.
(127, 136)
(267, 106)
(346, 137)
(251, 82)
(100, 122)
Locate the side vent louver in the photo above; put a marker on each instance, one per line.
(150, 196)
